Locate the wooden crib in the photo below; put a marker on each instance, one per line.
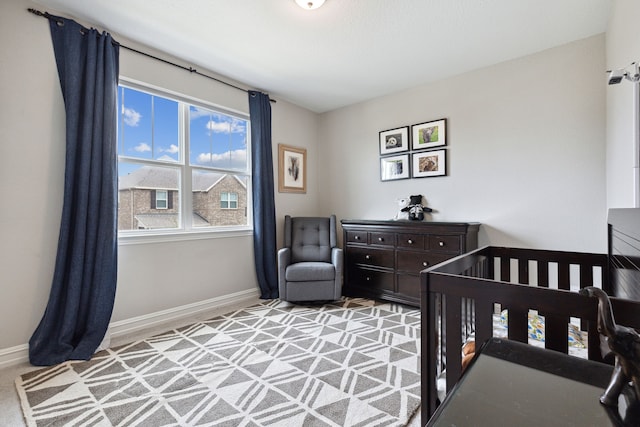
(461, 299)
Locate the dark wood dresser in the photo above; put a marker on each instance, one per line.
(383, 259)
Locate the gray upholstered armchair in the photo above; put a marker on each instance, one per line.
(310, 263)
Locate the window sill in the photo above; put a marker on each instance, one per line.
(164, 236)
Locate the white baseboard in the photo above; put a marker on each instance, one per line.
(15, 355)
(137, 324)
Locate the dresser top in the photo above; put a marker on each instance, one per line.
(404, 222)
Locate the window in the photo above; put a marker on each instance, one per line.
(228, 200)
(161, 199)
(183, 165)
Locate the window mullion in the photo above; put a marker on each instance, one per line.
(186, 175)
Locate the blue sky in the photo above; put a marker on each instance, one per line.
(148, 129)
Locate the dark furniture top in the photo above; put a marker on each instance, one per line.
(515, 384)
(383, 259)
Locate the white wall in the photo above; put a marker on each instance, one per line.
(526, 147)
(299, 128)
(623, 48)
(31, 169)
(152, 277)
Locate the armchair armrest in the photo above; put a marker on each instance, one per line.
(337, 259)
(284, 259)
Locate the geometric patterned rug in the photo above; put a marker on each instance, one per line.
(354, 362)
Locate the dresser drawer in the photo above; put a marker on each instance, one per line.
(371, 256)
(356, 237)
(382, 238)
(410, 241)
(414, 262)
(444, 243)
(371, 280)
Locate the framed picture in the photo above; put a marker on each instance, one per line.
(292, 169)
(429, 134)
(429, 163)
(394, 140)
(394, 167)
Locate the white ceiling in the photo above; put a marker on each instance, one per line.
(348, 50)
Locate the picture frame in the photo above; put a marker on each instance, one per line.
(429, 134)
(429, 163)
(394, 140)
(394, 167)
(292, 169)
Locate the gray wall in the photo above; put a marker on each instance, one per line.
(526, 150)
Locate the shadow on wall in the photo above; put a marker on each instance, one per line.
(491, 236)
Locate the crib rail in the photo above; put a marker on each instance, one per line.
(460, 295)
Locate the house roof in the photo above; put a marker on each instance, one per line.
(347, 51)
(150, 177)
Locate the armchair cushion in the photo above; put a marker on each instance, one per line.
(310, 271)
(310, 240)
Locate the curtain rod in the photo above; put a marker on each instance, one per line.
(189, 69)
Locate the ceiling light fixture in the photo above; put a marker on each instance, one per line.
(309, 4)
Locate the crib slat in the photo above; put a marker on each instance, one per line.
(484, 321)
(517, 324)
(563, 275)
(593, 344)
(453, 336)
(523, 271)
(586, 275)
(543, 274)
(556, 333)
(505, 269)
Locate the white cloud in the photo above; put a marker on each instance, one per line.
(218, 127)
(173, 149)
(130, 116)
(142, 147)
(197, 112)
(236, 159)
(225, 126)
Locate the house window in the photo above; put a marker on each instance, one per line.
(182, 165)
(228, 200)
(161, 199)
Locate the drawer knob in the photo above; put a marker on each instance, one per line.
(357, 238)
(368, 278)
(380, 239)
(367, 257)
(441, 243)
(410, 242)
(425, 263)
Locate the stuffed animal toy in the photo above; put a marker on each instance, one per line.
(403, 202)
(415, 209)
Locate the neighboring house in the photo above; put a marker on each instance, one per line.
(148, 198)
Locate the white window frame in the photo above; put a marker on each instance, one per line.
(187, 231)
